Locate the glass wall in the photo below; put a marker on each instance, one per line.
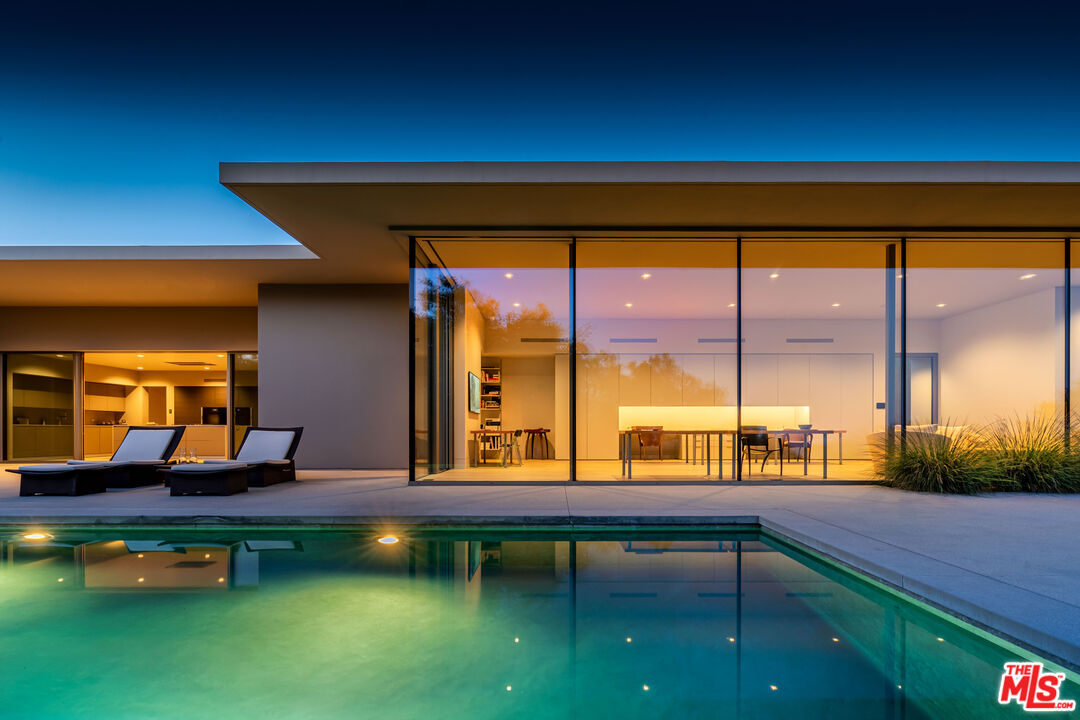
(656, 357)
(985, 332)
(245, 395)
(125, 389)
(1073, 326)
(847, 346)
(39, 400)
(817, 315)
(491, 354)
(42, 401)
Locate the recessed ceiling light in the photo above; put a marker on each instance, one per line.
(629, 304)
(517, 304)
(138, 367)
(731, 304)
(629, 639)
(774, 276)
(508, 275)
(1028, 276)
(773, 687)
(59, 355)
(509, 688)
(836, 304)
(645, 688)
(140, 355)
(646, 276)
(221, 356)
(941, 304)
(388, 540)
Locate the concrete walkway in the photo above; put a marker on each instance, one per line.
(1006, 562)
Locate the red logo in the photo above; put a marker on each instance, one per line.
(1032, 689)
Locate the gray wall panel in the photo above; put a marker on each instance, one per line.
(334, 359)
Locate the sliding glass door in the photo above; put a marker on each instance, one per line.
(39, 399)
(656, 357)
(492, 332)
(992, 313)
(817, 316)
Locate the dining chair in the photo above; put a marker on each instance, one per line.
(799, 442)
(756, 439)
(650, 436)
(511, 444)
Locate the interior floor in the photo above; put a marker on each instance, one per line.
(667, 470)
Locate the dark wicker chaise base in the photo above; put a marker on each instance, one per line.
(225, 482)
(130, 476)
(271, 474)
(76, 482)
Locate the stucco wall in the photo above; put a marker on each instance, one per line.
(334, 359)
(143, 329)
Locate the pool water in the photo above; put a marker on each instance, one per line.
(471, 624)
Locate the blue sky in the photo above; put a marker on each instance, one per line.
(113, 116)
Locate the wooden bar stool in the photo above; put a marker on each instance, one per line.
(534, 434)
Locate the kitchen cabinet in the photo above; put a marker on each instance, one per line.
(208, 441)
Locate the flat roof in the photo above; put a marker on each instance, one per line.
(354, 219)
(705, 171)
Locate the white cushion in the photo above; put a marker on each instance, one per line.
(144, 546)
(141, 444)
(262, 445)
(59, 468)
(260, 545)
(207, 467)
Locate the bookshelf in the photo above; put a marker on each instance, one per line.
(491, 400)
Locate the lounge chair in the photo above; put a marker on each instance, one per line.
(265, 457)
(142, 451)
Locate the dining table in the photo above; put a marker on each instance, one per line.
(691, 436)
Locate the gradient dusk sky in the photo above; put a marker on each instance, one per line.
(113, 116)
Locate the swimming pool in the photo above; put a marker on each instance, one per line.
(230, 623)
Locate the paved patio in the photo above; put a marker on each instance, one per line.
(1006, 562)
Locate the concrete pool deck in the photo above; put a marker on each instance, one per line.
(1005, 562)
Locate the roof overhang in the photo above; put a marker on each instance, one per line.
(354, 219)
(363, 213)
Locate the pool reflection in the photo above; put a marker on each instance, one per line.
(730, 624)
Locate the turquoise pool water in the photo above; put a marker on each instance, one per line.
(471, 624)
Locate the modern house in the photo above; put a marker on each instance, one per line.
(626, 317)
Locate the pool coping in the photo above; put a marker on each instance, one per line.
(1007, 611)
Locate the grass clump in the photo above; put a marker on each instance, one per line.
(1031, 454)
(954, 462)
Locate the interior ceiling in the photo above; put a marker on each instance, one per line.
(153, 362)
(357, 225)
(708, 293)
